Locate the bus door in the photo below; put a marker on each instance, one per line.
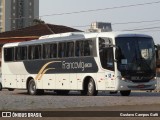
(109, 66)
(107, 63)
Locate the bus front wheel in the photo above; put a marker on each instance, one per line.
(32, 88)
(91, 91)
(125, 93)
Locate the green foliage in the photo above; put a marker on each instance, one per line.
(38, 21)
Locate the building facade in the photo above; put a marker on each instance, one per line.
(16, 14)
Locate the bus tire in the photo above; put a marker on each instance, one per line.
(10, 89)
(91, 89)
(0, 87)
(125, 93)
(32, 88)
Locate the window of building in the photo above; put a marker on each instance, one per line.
(14, 14)
(14, 7)
(30, 3)
(13, 21)
(9, 54)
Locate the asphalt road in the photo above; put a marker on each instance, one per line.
(137, 101)
(20, 100)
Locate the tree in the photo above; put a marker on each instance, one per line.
(38, 21)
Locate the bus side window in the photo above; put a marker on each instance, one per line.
(24, 53)
(79, 48)
(70, 49)
(38, 52)
(62, 50)
(21, 53)
(31, 52)
(17, 53)
(9, 54)
(53, 50)
(88, 48)
(46, 51)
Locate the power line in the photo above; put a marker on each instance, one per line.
(93, 10)
(81, 26)
(151, 31)
(135, 22)
(140, 26)
(102, 9)
(123, 23)
(148, 28)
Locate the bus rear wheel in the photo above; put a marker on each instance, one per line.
(32, 88)
(125, 93)
(91, 90)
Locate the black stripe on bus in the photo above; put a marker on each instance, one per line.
(64, 65)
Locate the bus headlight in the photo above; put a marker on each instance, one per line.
(121, 78)
(155, 78)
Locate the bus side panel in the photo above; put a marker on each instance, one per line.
(110, 80)
(9, 81)
(8, 78)
(101, 81)
(19, 79)
(39, 83)
(80, 81)
(73, 82)
(62, 81)
(49, 81)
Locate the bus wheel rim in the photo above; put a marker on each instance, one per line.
(33, 87)
(90, 87)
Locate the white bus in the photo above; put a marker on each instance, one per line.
(86, 62)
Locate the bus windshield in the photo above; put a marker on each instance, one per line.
(136, 56)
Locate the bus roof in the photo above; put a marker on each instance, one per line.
(75, 36)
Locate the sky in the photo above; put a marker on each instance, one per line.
(149, 12)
